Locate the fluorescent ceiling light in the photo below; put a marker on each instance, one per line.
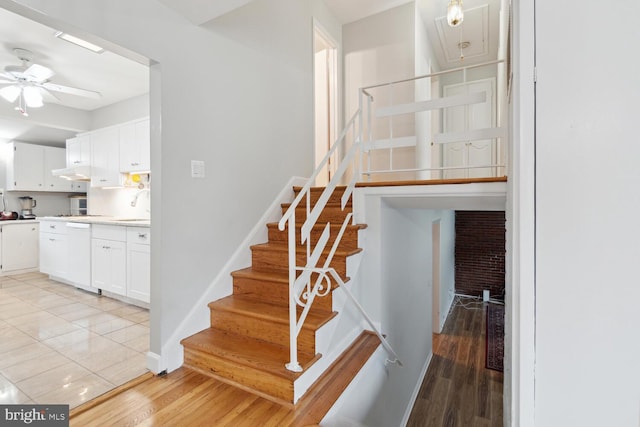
(79, 42)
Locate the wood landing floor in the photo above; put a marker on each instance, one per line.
(458, 390)
(188, 398)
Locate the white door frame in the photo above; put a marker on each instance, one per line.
(322, 147)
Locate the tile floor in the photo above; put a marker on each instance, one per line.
(59, 344)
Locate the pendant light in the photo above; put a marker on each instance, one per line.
(455, 15)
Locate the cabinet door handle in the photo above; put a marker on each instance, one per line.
(52, 240)
(76, 162)
(52, 226)
(135, 164)
(142, 235)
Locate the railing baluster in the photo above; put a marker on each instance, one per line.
(293, 364)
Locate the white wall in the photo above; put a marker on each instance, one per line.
(241, 102)
(404, 294)
(120, 112)
(380, 49)
(587, 204)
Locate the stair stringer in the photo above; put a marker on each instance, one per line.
(333, 338)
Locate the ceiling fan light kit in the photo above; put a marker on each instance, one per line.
(455, 15)
(26, 83)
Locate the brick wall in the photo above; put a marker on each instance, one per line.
(480, 252)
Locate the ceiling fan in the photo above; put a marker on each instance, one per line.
(26, 83)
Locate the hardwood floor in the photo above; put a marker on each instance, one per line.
(186, 397)
(458, 390)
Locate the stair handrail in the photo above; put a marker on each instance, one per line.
(300, 287)
(289, 220)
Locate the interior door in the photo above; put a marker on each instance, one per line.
(472, 153)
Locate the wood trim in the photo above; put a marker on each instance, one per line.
(431, 182)
(110, 394)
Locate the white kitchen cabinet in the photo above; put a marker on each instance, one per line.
(79, 254)
(105, 158)
(55, 158)
(29, 168)
(109, 259)
(53, 249)
(25, 167)
(79, 151)
(19, 246)
(139, 263)
(135, 145)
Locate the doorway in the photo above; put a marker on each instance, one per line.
(325, 93)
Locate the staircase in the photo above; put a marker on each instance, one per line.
(247, 344)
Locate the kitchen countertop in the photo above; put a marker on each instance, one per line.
(104, 220)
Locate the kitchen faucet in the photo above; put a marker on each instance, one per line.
(135, 198)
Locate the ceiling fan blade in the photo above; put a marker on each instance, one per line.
(49, 93)
(38, 73)
(7, 82)
(9, 76)
(71, 90)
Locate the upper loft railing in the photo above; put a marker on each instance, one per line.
(448, 124)
(441, 125)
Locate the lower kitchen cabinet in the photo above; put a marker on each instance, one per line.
(53, 248)
(139, 263)
(19, 247)
(109, 259)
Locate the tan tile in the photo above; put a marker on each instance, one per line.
(105, 303)
(125, 370)
(24, 354)
(140, 317)
(129, 333)
(17, 309)
(140, 344)
(12, 338)
(116, 354)
(35, 275)
(30, 368)
(110, 326)
(49, 329)
(34, 317)
(55, 379)
(70, 341)
(78, 392)
(11, 394)
(72, 307)
(80, 313)
(53, 300)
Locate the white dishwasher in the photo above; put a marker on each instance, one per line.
(79, 250)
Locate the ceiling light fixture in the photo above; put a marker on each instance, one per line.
(455, 15)
(79, 42)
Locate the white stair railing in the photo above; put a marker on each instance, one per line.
(357, 161)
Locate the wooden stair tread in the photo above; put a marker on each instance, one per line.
(251, 352)
(267, 276)
(269, 312)
(340, 188)
(321, 226)
(283, 247)
(328, 205)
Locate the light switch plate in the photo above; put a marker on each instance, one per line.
(197, 169)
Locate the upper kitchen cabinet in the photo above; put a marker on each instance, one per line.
(55, 158)
(25, 167)
(79, 151)
(105, 158)
(29, 168)
(135, 144)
